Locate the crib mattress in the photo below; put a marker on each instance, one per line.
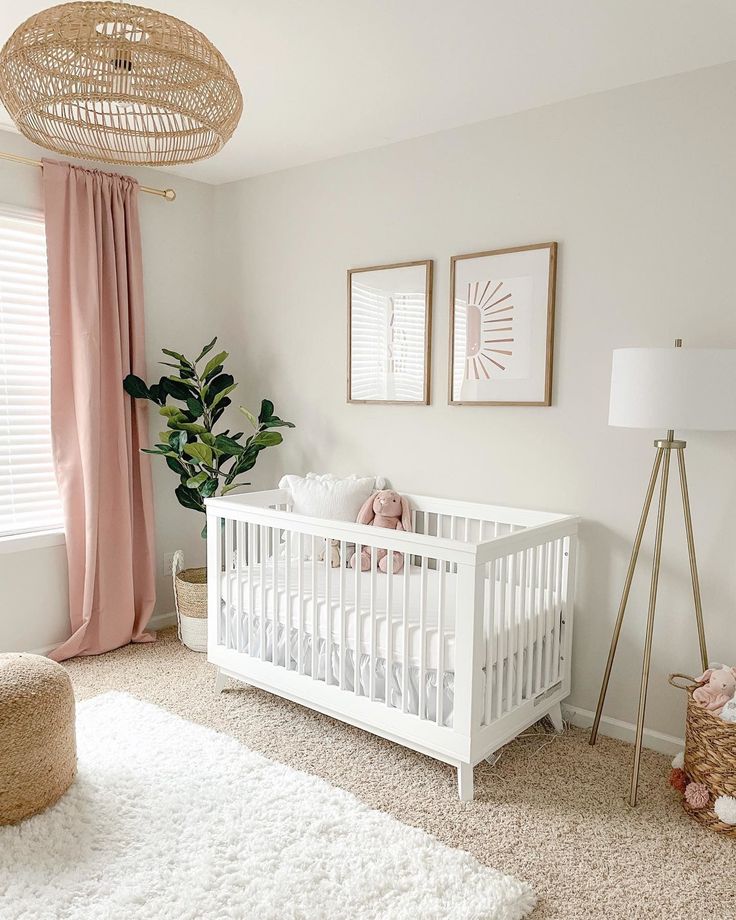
(328, 613)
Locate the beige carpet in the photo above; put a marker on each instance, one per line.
(551, 811)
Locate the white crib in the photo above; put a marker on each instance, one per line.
(453, 656)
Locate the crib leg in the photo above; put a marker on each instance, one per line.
(220, 681)
(555, 717)
(465, 782)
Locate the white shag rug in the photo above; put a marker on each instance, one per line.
(168, 820)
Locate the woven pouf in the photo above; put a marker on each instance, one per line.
(38, 756)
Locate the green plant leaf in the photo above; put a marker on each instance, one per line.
(195, 407)
(216, 385)
(178, 441)
(217, 412)
(171, 412)
(222, 394)
(235, 485)
(249, 415)
(195, 482)
(206, 350)
(267, 439)
(178, 388)
(202, 453)
(212, 364)
(209, 488)
(276, 422)
(177, 466)
(157, 393)
(135, 387)
(228, 446)
(208, 438)
(179, 357)
(266, 412)
(191, 427)
(203, 532)
(189, 498)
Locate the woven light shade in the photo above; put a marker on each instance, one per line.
(119, 84)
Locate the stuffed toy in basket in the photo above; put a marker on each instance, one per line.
(707, 776)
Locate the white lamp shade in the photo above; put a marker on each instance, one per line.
(674, 388)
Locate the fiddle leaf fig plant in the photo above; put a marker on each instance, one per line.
(207, 462)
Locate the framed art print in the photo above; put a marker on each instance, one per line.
(502, 312)
(389, 330)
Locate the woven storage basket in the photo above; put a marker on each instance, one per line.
(710, 756)
(190, 595)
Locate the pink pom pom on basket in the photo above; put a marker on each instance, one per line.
(697, 795)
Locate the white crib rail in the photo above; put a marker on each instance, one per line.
(280, 616)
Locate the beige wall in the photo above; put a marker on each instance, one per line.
(637, 185)
(179, 312)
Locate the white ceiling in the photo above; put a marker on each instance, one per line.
(322, 78)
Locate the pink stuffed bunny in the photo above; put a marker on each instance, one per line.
(383, 509)
(719, 689)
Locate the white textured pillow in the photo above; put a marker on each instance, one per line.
(327, 496)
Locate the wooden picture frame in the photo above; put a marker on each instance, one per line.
(526, 347)
(379, 290)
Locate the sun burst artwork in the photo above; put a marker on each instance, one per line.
(501, 331)
(489, 336)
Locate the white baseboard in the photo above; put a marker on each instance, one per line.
(157, 621)
(624, 731)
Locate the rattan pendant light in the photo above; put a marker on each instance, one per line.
(119, 84)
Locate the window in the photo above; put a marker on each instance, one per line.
(29, 499)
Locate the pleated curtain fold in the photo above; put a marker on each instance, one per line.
(97, 337)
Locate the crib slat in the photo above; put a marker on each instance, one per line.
(422, 710)
(557, 611)
(531, 625)
(502, 628)
(251, 584)
(405, 634)
(521, 647)
(541, 619)
(240, 531)
(439, 705)
(275, 568)
(300, 605)
(372, 640)
(287, 612)
(357, 631)
(315, 615)
(343, 612)
(548, 614)
(264, 611)
(328, 612)
(511, 621)
(228, 583)
(491, 568)
(388, 670)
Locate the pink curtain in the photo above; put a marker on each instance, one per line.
(96, 305)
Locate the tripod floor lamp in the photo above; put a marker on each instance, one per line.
(666, 389)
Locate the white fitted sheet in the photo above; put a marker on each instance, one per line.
(329, 615)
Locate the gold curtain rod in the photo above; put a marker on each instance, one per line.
(167, 193)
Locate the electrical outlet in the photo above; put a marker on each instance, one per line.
(168, 563)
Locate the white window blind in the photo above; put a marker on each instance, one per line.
(387, 344)
(29, 499)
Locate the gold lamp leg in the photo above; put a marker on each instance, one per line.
(691, 553)
(625, 594)
(650, 627)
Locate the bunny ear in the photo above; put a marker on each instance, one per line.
(706, 675)
(405, 514)
(366, 513)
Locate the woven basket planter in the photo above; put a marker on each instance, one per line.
(710, 756)
(190, 595)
